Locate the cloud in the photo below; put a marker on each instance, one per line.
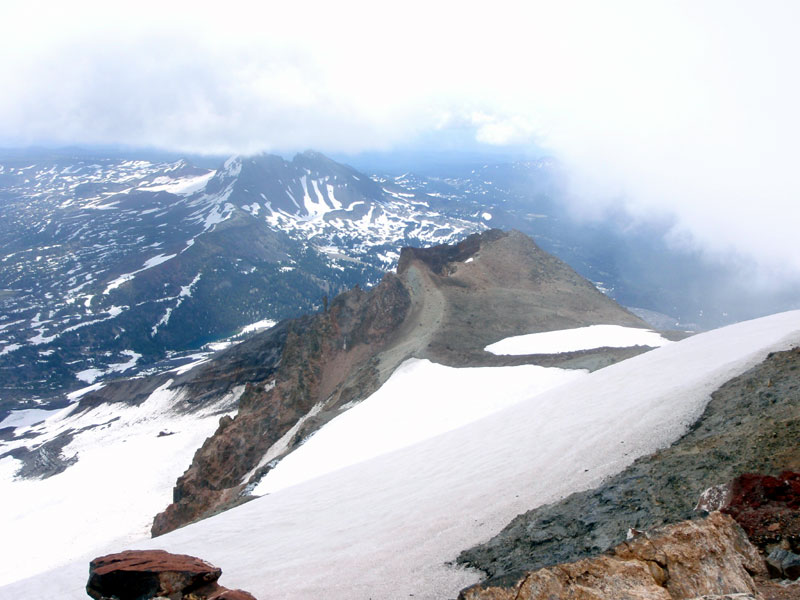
(682, 108)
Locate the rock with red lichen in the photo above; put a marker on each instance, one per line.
(767, 508)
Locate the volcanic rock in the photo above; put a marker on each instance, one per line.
(145, 574)
(686, 560)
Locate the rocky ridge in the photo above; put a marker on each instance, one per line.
(445, 303)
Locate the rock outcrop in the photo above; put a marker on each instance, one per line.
(145, 574)
(445, 304)
(691, 559)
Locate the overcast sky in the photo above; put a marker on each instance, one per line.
(684, 108)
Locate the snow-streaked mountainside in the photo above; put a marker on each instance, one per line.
(110, 265)
(386, 521)
(113, 266)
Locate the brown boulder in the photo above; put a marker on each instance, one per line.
(691, 559)
(145, 574)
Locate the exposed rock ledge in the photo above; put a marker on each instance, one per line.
(710, 557)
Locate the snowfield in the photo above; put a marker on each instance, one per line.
(580, 338)
(386, 525)
(419, 401)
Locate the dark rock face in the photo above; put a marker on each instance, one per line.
(145, 574)
(751, 424)
(784, 564)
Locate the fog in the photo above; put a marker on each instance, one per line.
(684, 111)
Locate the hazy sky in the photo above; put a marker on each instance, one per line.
(684, 108)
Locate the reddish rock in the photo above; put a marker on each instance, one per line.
(767, 508)
(145, 574)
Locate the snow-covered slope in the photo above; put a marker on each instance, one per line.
(386, 526)
(119, 467)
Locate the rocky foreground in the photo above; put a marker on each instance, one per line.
(747, 548)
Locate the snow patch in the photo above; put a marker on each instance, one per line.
(90, 375)
(184, 186)
(258, 326)
(581, 338)
(27, 417)
(10, 348)
(148, 264)
(83, 391)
